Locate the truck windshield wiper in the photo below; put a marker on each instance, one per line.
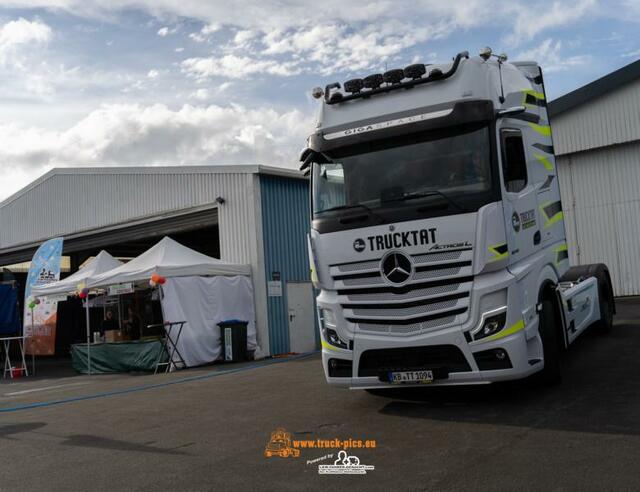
(424, 194)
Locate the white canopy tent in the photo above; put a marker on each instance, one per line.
(102, 263)
(168, 259)
(189, 296)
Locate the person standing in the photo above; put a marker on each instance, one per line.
(132, 324)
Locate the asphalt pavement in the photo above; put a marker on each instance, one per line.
(207, 429)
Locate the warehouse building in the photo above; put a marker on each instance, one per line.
(242, 214)
(596, 131)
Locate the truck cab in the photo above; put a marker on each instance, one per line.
(437, 237)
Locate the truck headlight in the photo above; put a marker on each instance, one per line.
(491, 325)
(328, 321)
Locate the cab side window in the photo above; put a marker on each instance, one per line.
(514, 162)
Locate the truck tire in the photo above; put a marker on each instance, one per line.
(547, 326)
(605, 298)
(605, 292)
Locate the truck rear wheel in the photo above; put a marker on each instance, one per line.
(605, 298)
(547, 326)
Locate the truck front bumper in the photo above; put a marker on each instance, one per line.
(453, 359)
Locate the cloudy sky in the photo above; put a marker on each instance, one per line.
(151, 82)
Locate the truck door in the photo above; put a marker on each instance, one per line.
(520, 202)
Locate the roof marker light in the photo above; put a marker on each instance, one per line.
(354, 85)
(373, 81)
(435, 73)
(394, 76)
(415, 71)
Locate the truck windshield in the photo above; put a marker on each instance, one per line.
(446, 170)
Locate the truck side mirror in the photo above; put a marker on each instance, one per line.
(503, 113)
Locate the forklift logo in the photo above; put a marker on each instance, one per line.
(280, 445)
(359, 245)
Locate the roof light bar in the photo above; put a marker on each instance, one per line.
(393, 78)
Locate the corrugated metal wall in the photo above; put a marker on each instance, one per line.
(285, 219)
(74, 201)
(610, 119)
(601, 201)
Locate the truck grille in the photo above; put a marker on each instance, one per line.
(435, 297)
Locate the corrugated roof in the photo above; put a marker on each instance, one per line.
(210, 169)
(595, 89)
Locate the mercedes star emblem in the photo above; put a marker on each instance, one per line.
(396, 267)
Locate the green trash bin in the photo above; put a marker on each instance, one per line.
(233, 337)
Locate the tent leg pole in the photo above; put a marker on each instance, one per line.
(33, 352)
(167, 332)
(86, 310)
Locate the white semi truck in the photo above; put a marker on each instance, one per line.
(437, 242)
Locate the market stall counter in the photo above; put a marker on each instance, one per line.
(125, 356)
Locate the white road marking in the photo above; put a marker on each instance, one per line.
(46, 388)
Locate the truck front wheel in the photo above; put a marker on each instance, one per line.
(547, 326)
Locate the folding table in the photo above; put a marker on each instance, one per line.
(170, 346)
(6, 345)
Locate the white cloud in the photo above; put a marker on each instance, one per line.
(179, 50)
(536, 18)
(204, 94)
(200, 94)
(244, 36)
(21, 33)
(205, 33)
(165, 31)
(153, 74)
(133, 134)
(319, 49)
(548, 54)
(631, 54)
(235, 67)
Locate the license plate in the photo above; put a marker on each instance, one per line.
(411, 377)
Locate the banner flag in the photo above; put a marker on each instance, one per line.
(40, 319)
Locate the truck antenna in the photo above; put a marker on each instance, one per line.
(501, 85)
(502, 57)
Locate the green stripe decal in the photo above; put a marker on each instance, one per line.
(562, 253)
(519, 326)
(544, 130)
(544, 148)
(328, 346)
(552, 212)
(544, 161)
(500, 251)
(533, 98)
(536, 94)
